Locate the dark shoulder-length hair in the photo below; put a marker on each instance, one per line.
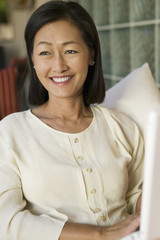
(94, 86)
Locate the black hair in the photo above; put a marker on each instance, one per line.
(52, 11)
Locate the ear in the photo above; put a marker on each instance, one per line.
(92, 56)
(33, 61)
(92, 63)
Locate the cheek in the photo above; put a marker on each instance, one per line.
(41, 69)
(81, 65)
(41, 74)
(40, 63)
(83, 68)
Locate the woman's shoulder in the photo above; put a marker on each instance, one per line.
(13, 119)
(116, 118)
(120, 124)
(112, 113)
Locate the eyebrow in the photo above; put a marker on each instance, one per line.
(64, 43)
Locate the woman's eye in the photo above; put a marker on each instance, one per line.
(71, 51)
(44, 53)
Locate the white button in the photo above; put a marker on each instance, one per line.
(103, 218)
(97, 210)
(93, 191)
(76, 140)
(80, 158)
(89, 170)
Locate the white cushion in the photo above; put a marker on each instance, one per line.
(135, 95)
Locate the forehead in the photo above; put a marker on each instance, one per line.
(59, 31)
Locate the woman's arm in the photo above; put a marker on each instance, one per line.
(73, 231)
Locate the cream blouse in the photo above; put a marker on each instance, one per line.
(48, 177)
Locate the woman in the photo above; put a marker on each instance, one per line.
(69, 168)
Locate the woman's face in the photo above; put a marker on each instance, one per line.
(61, 59)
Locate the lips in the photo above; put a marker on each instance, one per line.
(62, 79)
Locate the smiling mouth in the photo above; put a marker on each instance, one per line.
(61, 79)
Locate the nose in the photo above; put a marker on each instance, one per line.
(59, 64)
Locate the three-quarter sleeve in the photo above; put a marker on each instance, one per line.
(16, 221)
(132, 140)
(130, 143)
(135, 171)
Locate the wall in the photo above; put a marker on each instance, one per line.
(39, 2)
(19, 18)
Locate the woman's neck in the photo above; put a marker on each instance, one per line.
(64, 109)
(65, 116)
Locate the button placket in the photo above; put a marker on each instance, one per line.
(93, 191)
(90, 177)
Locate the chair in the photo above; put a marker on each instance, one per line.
(12, 87)
(8, 95)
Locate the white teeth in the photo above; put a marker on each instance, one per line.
(62, 79)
